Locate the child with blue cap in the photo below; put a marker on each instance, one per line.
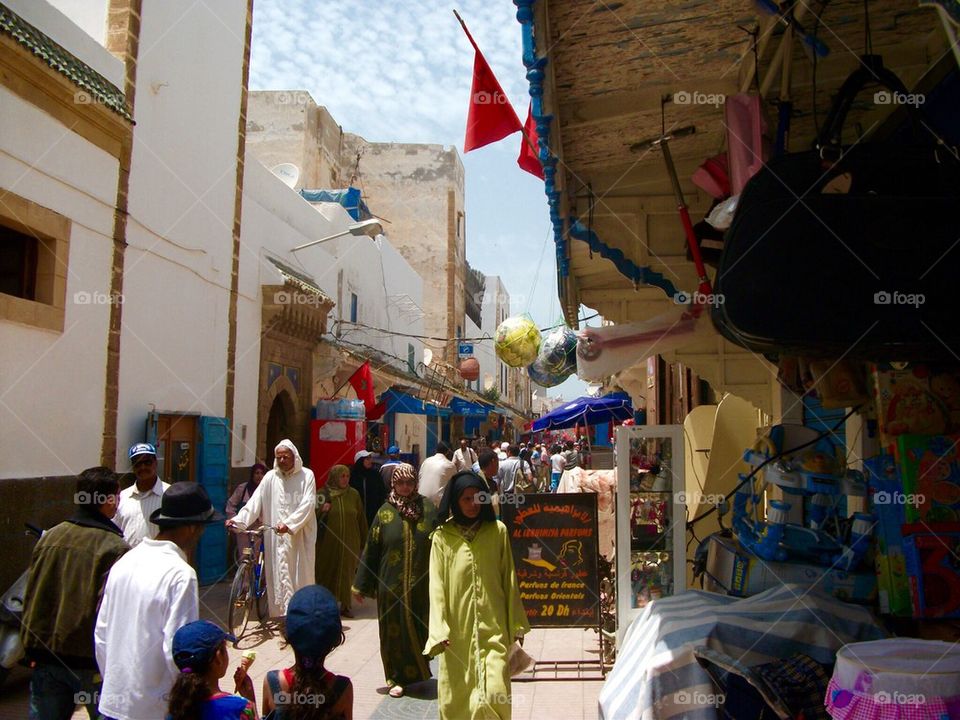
(308, 689)
(200, 652)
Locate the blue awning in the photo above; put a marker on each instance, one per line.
(402, 403)
(434, 410)
(459, 406)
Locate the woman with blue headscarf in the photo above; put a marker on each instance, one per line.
(475, 608)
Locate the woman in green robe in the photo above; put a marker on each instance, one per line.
(395, 569)
(342, 530)
(475, 608)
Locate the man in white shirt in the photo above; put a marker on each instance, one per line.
(150, 593)
(465, 456)
(502, 452)
(142, 498)
(435, 473)
(557, 465)
(508, 469)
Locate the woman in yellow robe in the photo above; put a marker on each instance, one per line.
(475, 608)
(343, 529)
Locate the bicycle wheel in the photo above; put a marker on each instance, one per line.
(239, 608)
(260, 590)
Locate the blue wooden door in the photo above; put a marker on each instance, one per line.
(214, 473)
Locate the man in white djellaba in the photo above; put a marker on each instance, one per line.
(286, 500)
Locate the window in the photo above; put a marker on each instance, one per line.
(411, 358)
(353, 307)
(34, 250)
(18, 264)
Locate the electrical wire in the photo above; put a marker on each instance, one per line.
(536, 275)
(770, 459)
(444, 339)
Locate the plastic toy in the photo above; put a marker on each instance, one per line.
(930, 468)
(817, 475)
(933, 568)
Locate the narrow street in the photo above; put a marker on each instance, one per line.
(359, 659)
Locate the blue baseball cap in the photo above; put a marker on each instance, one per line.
(195, 644)
(313, 621)
(141, 449)
(393, 450)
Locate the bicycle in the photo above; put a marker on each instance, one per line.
(249, 585)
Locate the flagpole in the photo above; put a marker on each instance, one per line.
(347, 381)
(469, 36)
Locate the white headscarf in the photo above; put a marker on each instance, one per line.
(297, 462)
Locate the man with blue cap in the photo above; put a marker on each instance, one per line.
(142, 498)
(392, 463)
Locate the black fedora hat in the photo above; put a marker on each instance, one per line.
(185, 503)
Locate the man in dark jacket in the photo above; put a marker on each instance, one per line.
(67, 573)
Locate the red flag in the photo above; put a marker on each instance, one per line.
(362, 381)
(490, 116)
(378, 410)
(528, 159)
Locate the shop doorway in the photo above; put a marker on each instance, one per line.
(176, 444)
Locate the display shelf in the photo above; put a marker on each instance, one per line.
(651, 520)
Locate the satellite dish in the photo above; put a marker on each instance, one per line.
(427, 356)
(288, 172)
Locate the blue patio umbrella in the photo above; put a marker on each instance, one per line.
(586, 411)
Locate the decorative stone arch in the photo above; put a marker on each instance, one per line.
(283, 389)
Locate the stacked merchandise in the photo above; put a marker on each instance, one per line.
(916, 491)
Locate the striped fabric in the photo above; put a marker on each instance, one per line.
(656, 675)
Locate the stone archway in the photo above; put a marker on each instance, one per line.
(281, 424)
(280, 417)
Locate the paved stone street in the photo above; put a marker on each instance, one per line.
(359, 659)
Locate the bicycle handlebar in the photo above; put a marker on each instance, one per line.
(255, 533)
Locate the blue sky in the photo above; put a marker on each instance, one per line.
(400, 71)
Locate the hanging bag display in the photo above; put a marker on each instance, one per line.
(848, 251)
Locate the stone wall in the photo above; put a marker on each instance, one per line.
(289, 127)
(418, 188)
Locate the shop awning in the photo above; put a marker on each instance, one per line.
(402, 403)
(459, 406)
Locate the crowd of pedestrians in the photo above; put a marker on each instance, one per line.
(111, 617)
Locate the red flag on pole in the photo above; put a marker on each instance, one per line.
(490, 116)
(528, 159)
(362, 381)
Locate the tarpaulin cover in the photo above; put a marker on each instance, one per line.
(349, 198)
(586, 411)
(657, 675)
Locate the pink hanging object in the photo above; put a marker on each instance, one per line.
(712, 177)
(746, 126)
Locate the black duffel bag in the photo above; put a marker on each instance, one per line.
(854, 258)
